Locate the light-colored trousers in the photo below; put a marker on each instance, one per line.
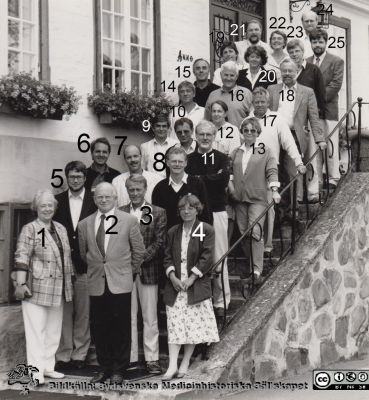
(220, 226)
(75, 339)
(42, 326)
(148, 297)
(312, 179)
(246, 214)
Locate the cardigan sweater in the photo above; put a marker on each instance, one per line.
(165, 197)
(251, 186)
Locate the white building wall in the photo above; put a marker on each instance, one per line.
(185, 26)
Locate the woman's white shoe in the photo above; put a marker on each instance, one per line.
(54, 374)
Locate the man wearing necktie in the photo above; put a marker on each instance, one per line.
(112, 246)
(332, 69)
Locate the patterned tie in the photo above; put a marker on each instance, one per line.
(317, 61)
(100, 236)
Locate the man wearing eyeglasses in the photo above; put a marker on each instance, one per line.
(75, 204)
(112, 246)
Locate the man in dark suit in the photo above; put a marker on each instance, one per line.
(111, 244)
(74, 205)
(153, 223)
(297, 105)
(308, 74)
(332, 69)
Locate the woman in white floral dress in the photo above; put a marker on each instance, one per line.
(188, 260)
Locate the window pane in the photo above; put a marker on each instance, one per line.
(135, 33)
(145, 60)
(118, 28)
(107, 52)
(13, 62)
(145, 84)
(135, 58)
(135, 82)
(134, 8)
(118, 6)
(27, 36)
(119, 79)
(107, 25)
(13, 34)
(145, 9)
(145, 38)
(28, 62)
(106, 5)
(13, 8)
(108, 78)
(27, 9)
(119, 55)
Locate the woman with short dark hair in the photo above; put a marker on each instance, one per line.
(189, 256)
(256, 75)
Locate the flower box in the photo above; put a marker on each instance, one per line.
(25, 95)
(127, 109)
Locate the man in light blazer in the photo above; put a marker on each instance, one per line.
(297, 104)
(74, 205)
(332, 69)
(153, 224)
(112, 246)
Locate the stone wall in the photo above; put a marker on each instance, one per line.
(314, 310)
(12, 340)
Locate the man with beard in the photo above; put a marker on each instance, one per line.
(99, 171)
(332, 68)
(203, 84)
(253, 35)
(132, 156)
(74, 205)
(309, 21)
(297, 104)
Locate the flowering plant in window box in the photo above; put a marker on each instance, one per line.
(127, 109)
(21, 93)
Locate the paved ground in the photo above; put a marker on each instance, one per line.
(309, 394)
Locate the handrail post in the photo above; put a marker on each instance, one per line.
(358, 159)
(294, 206)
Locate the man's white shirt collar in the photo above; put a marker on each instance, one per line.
(285, 87)
(80, 196)
(131, 209)
(183, 180)
(111, 212)
(161, 144)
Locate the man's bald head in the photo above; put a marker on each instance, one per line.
(105, 196)
(309, 21)
(132, 156)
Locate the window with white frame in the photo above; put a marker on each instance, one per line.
(22, 36)
(126, 47)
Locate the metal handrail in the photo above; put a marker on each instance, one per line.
(293, 182)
